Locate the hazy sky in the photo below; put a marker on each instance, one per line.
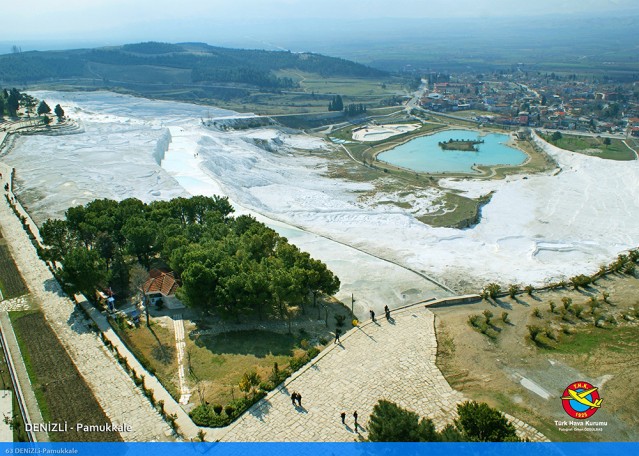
(181, 20)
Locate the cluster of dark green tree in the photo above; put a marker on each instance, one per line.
(10, 102)
(209, 71)
(336, 104)
(207, 63)
(230, 265)
(354, 109)
(477, 422)
(30, 66)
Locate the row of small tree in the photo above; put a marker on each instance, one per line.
(624, 263)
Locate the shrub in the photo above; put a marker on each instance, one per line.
(490, 332)
(529, 290)
(513, 290)
(477, 322)
(580, 281)
(304, 344)
(605, 296)
(579, 310)
(339, 320)
(551, 334)
(229, 410)
(504, 317)
(217, 408)
(553, 306)
(537, 313)
(297, 362)
(492, 290)
(567, 302)
(312, 352)
(323, 341)
(488, 315)
(534, 331)
(629, 268)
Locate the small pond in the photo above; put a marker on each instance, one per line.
(424, 154)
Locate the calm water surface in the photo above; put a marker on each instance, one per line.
(423, 153)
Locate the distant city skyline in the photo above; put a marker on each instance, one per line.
(122, 20)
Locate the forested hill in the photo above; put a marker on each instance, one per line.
(164, 63)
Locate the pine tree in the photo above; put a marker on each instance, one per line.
(58, 111)
(43, 108)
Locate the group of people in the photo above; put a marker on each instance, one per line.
(296, 397)
(338, 331)
(343, 416)
(386, 312)
(296, 400)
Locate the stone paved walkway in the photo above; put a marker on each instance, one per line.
(121, 400)
(389, 360)
(180, 347)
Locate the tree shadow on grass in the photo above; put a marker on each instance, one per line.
(258, 343)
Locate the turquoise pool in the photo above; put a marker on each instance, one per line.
(424, 154)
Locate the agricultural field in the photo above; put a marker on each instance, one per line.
(62, 394)
(11, 283)
(594, 146)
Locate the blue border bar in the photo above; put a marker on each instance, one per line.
(323, 449)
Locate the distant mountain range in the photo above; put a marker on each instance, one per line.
(153, 63)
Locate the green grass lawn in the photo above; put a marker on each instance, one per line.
(609, 338)
(220, 361)
(616, 150)
(154, 347)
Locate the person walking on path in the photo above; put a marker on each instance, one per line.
(387, 312)
(372, 315)
(355, 416)
(337, 333)
(343, 415)
(293, 397)
(299, 399)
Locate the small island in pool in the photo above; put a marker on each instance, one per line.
(468, 145)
